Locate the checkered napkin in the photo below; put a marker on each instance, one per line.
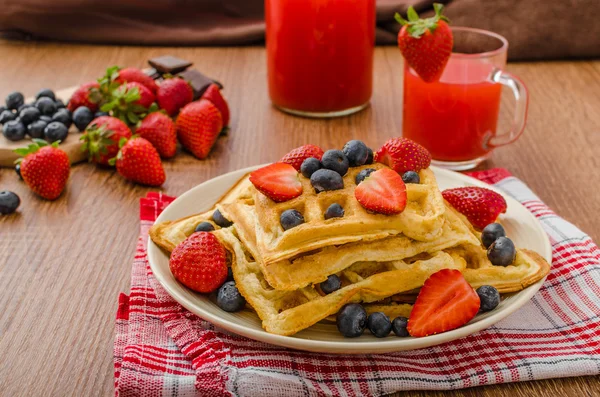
(161, 349)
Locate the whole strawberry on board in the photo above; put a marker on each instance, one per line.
(101, 138)
(138, 161)
(402, 155)
(200, 262)
(481, 206)
(129, 102)
(213, 94)
(159, 129)
(173, 94)
(88, 95)
(45, 168)
(127, 75)
(198, 126)
(426, 44)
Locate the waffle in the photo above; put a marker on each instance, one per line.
(314, 267)
(421, 219)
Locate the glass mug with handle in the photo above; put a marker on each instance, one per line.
(456, 117)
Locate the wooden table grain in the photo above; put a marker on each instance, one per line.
(63, 263)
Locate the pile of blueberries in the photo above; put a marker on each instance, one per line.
(326, 175)
(45, 118)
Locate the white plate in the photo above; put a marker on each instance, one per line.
(520, 225)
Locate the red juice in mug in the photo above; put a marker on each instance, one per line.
(454, 117)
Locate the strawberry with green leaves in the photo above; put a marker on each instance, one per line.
(198, 126)
(44, 168)
(159, 129)
(88, 95)
(138, 161)
(128, 75)
(130, 102)
(101, 138)
(426, 44)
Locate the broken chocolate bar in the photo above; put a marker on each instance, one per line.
(169, 64)
(198, 81)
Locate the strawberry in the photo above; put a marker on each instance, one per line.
(213, 94)
(129, 102)
(136, 75)
(198, 126)
(45, 169)
(159, 130)
(383, 191)
(139, 161)
(87, 94)
(296, 156)
(426, 44)
(481, 206)
(101, 138)
(401, 155)
(146, 96)
(278, 181)
(446, 301)
(173, 94)
(200, 262)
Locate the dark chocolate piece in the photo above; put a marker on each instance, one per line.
(155, 74)
(169, 64)
(198, 81)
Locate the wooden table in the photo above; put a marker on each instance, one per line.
(63, 263)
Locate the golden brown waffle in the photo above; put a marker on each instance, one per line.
(421, 219)
(314, 267)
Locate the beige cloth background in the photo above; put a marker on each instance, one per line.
(536, 29)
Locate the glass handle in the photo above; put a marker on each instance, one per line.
(521, 94)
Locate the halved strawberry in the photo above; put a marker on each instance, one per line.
(383, 191)
(446, 301)
(481, 206)
(277, 181)
(296, 156)
(402, 154)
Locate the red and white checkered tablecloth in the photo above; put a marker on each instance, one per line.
(161, 349)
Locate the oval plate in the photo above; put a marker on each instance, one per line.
(520, 225)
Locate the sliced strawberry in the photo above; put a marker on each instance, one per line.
(382, 191)
(296, 156)
(277, 181)
(446, 301)
(481, 206)
(402, 154)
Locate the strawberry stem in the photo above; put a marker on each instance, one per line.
(416, 27)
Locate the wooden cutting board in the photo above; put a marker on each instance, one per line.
(71, 145)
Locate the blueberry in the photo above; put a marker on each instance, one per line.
(45, 92)
(399, 326)
(14, 100)
(46, 106)
(14, 130)
(309, 166)
(3, 108)
(18, 171)
(36, 129)
(63, 116)
(290, 219)
(335, 160)
(489, 298)
(356, 152)
(363, 174)
(24, 106)
(502, 252)
(220, 220)
(100, 114)
(7, 116)
(229, 297)
(490, 233)
(29, 115)
(9, 202)
(47, 119)
(204, 227)
(330, 285)
(229, 273)
(351, 320)
(411, 177)
(379, 324)
(60, 104)
(369, 156)
(334, 211)
(82, 117)
(325, 180)
(56, 131)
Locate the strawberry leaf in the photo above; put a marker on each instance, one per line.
(412, 14)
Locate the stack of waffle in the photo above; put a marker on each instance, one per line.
(381, 260)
